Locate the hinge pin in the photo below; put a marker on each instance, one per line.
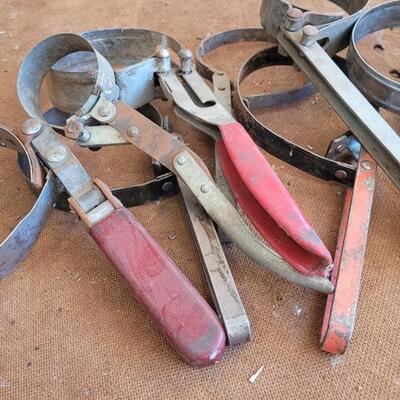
(310, 35)
(31, 126)
(133, 131)
(185, 56)
(181, 160)
(56, 154)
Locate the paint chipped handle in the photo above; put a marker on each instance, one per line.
(185, 318)
(266, 187)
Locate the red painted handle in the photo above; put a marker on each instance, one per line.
(185, 318)
(268, 204)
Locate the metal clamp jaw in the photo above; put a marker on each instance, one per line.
(381, 90)
(247, 172)
(228, 304)
(304, 47)
(157, 283)
(124, 121)
(333, 29)
(345, 162)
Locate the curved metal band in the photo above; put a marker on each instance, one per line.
(32, 72)
(43, 56)
(269, 140)
(245, 35)
(16, 246)
(164, 148)
(282, 148)
(164, 184)
(130, 51)
(381, 90)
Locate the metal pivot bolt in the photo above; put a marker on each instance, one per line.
(181, 160)
(310, 35)
(367, 165)
(31, 126)
(340, 174)
(204, 188)
(133, 131)
(167, 186)
(56, 154)
(185, 56)
(104, 111)
(294, 19)
(164, 59)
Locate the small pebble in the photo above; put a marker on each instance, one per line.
(297, 310)
(254, 377)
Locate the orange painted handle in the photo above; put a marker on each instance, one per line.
(185, 318)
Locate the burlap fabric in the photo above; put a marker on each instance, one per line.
(69, 328)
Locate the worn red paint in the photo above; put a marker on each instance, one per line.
(340, 311)
(268, 204)
(185, 318)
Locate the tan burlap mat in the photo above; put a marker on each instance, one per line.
(69, 328)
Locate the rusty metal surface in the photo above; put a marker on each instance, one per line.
(274, 143)
(209, 72)
(373, 132)
(379, 89)
(269, 140)
(131, 53)
(164, 184)
(17, 245)
(333, 29)
(310, 46)
(160, 145)
(341, 307)
(219, 277)
(340, 313)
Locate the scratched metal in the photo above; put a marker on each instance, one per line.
(44, 55)
(341, 307)
(164, 147)
(334, 29)
(381, 90)
(275, 144)
(269, 140)
(130, 52)
(15, 248)
(219, 277)
(373, 132)
(225, 215)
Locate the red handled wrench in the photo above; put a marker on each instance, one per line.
(256, 187)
